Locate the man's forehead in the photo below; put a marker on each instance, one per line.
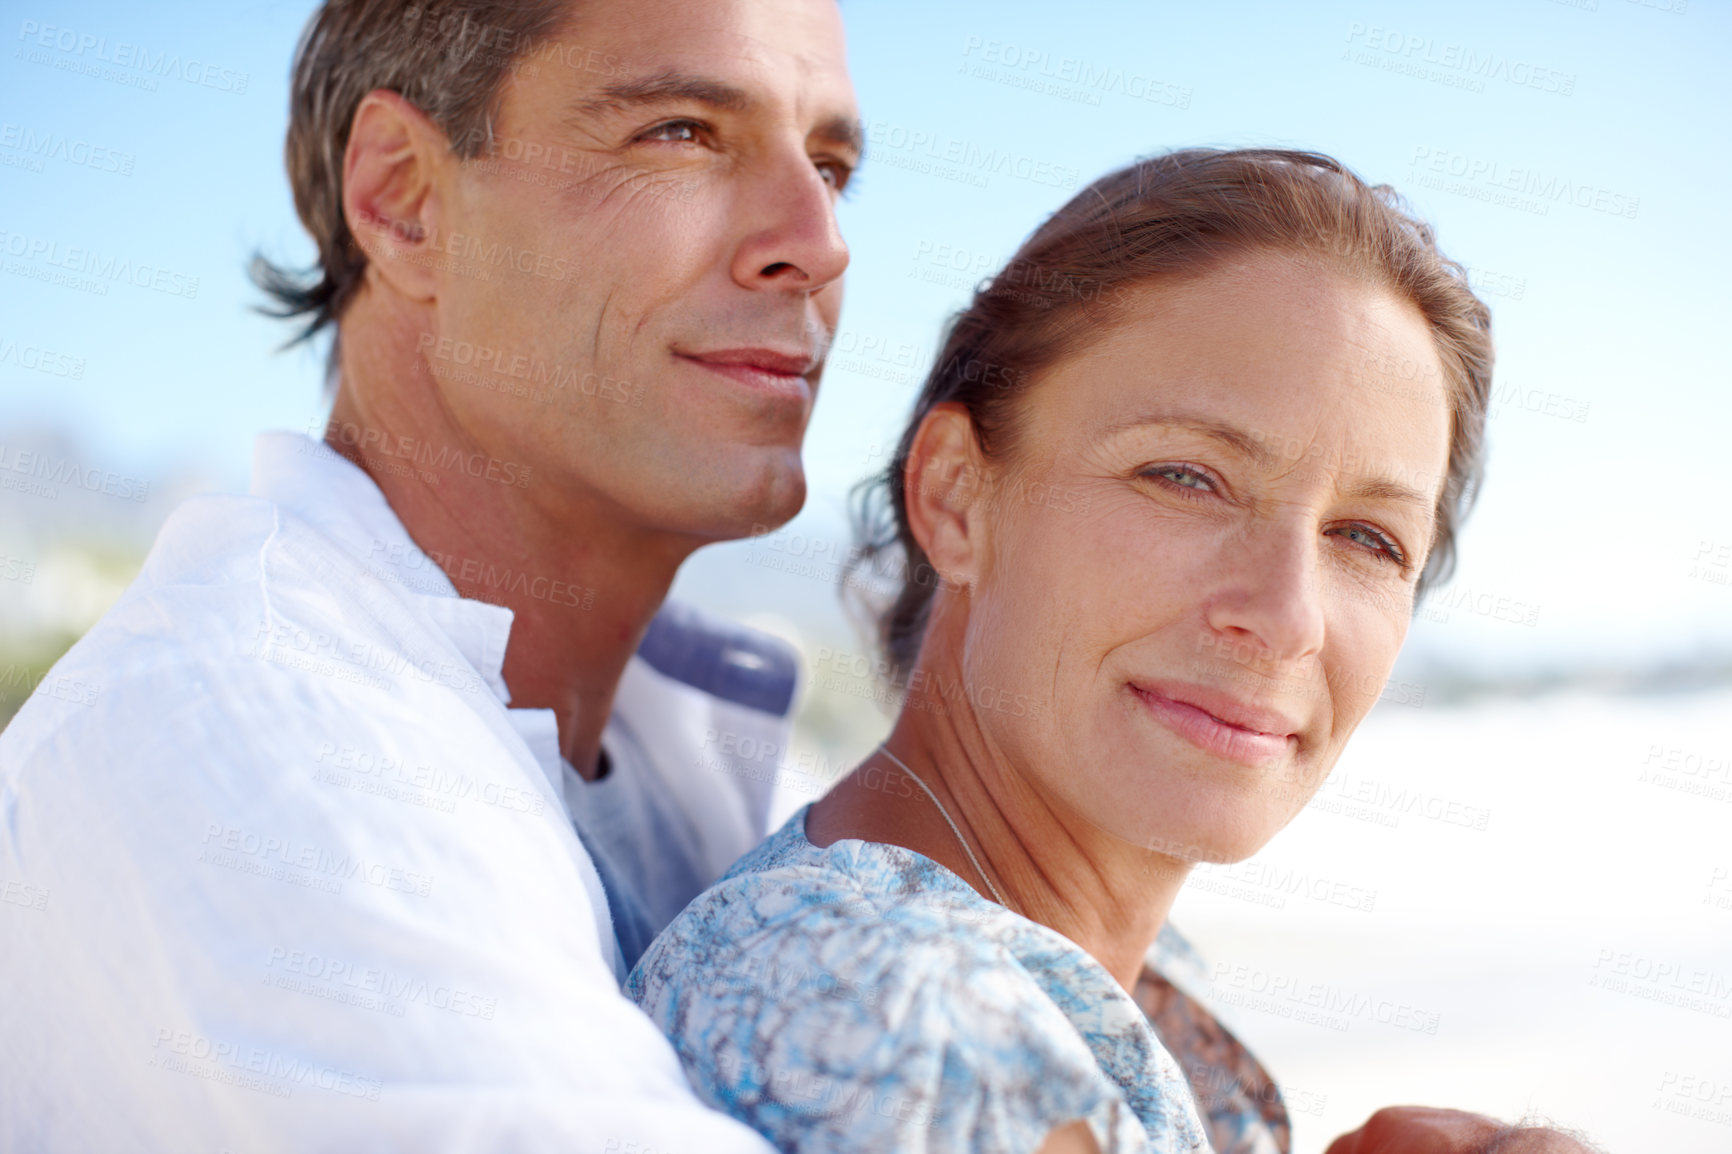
(764, 50)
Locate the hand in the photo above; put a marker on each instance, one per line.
(1423, 1130)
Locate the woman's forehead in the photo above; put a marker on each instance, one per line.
(1278, 361)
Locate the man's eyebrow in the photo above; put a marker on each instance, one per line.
(844, 132)
(1371, 488)
(666, 87)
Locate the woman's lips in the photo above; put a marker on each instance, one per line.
(1214, 735)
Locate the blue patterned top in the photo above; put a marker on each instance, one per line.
(861, 997)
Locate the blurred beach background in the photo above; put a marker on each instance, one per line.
(1515, 893)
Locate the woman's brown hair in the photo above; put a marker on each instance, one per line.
(1176, 214)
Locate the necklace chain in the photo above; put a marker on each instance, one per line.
(945, 814)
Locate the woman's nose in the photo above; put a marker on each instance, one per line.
(1270, 597)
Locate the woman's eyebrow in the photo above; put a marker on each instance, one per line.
(1230, 435)
(1251, 446)
(1387, 489)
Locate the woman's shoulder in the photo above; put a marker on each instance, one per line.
(858, 909)
(848, 988)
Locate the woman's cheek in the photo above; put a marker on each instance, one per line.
(1363, 640)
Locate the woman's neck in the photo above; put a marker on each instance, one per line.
(1107, 895)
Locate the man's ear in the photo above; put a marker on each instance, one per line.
(391, 172)
(943, 482)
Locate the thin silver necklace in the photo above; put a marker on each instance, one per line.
(945, 814)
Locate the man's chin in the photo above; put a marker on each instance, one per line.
(755, 506)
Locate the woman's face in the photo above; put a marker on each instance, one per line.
(1199, 557)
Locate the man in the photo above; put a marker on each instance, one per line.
(390, 769)
(324, 861)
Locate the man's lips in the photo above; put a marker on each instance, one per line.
(778, 370)
(1220, 723)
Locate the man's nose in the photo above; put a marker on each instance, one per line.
(791, 241)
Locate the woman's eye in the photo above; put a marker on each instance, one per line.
(675, 132)
(1183, 477)
(1380, 544)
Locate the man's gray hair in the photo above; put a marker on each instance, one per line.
(449, 58)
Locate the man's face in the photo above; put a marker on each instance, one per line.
(648, 253)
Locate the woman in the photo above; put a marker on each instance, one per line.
(1166, 502)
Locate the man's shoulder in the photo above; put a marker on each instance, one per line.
(239, 611)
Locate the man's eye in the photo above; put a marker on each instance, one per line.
(835, 173)
(674, 132)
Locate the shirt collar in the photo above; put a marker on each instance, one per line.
(341, 501)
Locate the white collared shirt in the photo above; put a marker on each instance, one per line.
(299, 879)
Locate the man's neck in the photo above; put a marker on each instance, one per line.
(581, 583)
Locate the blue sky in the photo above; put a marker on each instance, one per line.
(1609, 496)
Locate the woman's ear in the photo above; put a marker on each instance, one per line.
(391, 190)
(943, 482)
